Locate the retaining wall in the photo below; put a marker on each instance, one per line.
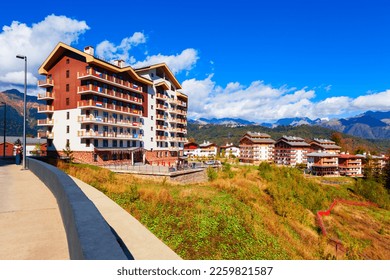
(88, 234)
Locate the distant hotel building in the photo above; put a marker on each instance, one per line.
(111, 112)
(324, 145)
(256, 147)
(291, 150)
(229, 151)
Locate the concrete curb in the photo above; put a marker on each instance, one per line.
(88, 234)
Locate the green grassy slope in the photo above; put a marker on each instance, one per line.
(252, 212)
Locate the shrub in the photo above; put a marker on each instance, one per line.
(211, 174)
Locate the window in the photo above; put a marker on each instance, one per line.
(151, 128)
(67, 129)
(67, 143)
(121, 143)
(87, 142)
(67, 61)
(67, 101)
(151, 139)
(67, 115)
(105, 143)
(151, 107)
(67, 73)
(67, 87)
(151, 117)
(115, 143)
(96, 143)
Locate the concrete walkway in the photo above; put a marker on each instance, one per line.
(141, 243)
(31, 227)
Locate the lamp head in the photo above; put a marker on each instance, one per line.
(21, 56)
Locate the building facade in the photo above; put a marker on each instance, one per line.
(322, 164)
(291, 150)
(256, 147)
(350, 165)
(111, 112)
(324, 145)
(229, 151)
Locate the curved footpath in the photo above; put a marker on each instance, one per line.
(142, 244)
(31, 227)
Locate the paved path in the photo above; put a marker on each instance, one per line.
(141, 243)
(31, 227)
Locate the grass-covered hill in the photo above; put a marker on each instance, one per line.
(253, 212)
(221, 134)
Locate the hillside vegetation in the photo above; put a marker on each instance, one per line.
(253, 212)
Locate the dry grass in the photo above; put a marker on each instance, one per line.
(247, 213)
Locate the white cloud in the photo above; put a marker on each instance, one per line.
(377, 101)
(177, 63)
(35, 42)
(110, 52)
(18, 78)
(261, 102)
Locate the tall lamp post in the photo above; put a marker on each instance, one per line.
(24, 108)
(5, 121)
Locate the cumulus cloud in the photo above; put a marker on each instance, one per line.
(35, 42)
(108, 51)
(376, 101)
(261, 102)
(177, 63)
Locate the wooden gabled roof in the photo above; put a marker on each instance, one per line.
(61, 48)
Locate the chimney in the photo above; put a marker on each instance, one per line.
(89, 50)
(120, 63)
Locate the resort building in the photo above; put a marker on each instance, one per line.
(106, 111)
(229, 151)
(256, 147)
(207, 150)
(376, 163)
(324, 145)
(350, 165)
(191, 149)
(322, 164)
(290, 150)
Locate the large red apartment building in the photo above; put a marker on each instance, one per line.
(106, 111)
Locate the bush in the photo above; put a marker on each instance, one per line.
(212, 174)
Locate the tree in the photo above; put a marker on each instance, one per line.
(68, 152)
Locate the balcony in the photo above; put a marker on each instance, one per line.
(45, 109)
(161, 138)
(108, 107)
(160, 117)
(45, 134)
(45, 122)
(107, 135)
(111, 80)
(108, 93)
(46, 96)
(161, 96)
(161, 127)
(107, 121)
(162, 107)
(46, 83)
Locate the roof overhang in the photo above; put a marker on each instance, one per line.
(61, 48)
(165, 68)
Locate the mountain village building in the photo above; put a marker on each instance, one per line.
(291, 150)
(256, 147)
(229, 151)
(322, 164)
(110, 112)
(324, 145)
(350, 165)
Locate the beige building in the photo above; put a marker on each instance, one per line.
(256, 147)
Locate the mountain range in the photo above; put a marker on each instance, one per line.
(369, 125)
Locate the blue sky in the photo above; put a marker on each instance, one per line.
(258, 60)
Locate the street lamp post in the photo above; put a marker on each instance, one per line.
(24, 109)
(5, 121)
